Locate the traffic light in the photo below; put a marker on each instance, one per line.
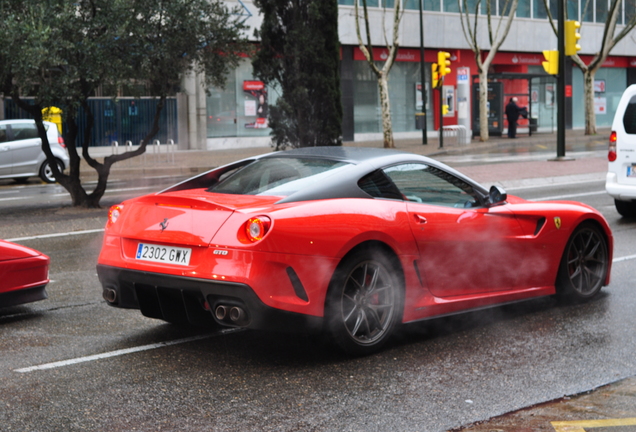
(443, 63)
(434, 75)
(551, 65)
(444, 109)
(572, 37)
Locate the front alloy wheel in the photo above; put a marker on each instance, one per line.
(584, 264)
(364, 303)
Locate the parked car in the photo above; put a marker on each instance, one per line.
(21, 154)
(620, 183)
(24, 274)
(352, 240)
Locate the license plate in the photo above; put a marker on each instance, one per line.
(163, 254)
(631, 171)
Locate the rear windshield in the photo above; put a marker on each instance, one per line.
(277, 176)
(629, 119)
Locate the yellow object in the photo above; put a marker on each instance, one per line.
(434, 75)
(443, 63)
(551, 65)
(444, 109)
(572, 37)
(53, 115)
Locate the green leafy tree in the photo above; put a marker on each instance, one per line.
(300, 53)
(61, 51)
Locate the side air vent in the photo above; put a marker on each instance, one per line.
(540, 224)
(299, 289)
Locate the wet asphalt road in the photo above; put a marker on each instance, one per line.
(434, 376)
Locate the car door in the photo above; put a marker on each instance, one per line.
(466, 247)
(26, 148)
(5, 153)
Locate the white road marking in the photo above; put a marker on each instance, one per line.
(560, 197)
(43, 236)
(120, 352)
(625, 258)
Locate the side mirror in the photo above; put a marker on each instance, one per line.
(497, 195)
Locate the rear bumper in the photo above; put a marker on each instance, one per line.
(186, 300)
(621, 192)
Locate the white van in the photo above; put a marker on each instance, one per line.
(620, 183)
(21, 154)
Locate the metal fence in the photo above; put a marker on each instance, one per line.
(121, 120)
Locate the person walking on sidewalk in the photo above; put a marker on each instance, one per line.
(512, 114)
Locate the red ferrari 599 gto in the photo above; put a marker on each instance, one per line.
(354, 241)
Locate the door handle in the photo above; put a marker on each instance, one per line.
(420, 219)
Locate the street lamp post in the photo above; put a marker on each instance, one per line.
(423, 74)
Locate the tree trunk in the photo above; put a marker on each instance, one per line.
(387, 126)
(588, 91)
(483, 105)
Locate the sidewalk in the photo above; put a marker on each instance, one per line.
(191, 162)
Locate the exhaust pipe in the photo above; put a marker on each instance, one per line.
(109, 294)
(237, 314)
(220, 312)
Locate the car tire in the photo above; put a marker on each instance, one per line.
(625, 208)
(584, 264)
(46, 172)
(364, 302)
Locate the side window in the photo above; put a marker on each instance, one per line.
(378, 185)
(22, 131)
(426, 184)
(3, 133)
(629, 118)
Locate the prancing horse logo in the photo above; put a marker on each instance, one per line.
(557, 222)
(164, 224)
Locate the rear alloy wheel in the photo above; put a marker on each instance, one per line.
(46, 172)
(584, 264)
(626, 208)
(364, 303)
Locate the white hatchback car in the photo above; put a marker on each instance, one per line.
(21, 154)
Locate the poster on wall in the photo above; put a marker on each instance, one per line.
(600, 105)
(418, 95)
(255, 104)
(599, 86)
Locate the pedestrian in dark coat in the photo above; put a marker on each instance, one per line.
(512, 114)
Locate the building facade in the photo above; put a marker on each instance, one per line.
(233, 116)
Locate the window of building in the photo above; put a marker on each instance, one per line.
(523, 9)
(601, 11)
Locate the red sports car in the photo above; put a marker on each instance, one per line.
(350, 240)
(24, 273)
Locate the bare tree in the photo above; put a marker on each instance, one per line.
(471, 26)
(382, 74)
(608, 42)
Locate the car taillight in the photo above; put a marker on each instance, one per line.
(611, 154)
(113, 214)
(257, 227)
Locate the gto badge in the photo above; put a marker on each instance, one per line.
(557, 222)
(164, 224)
(220, 252)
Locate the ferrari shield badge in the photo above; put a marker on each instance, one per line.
(557, 222)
